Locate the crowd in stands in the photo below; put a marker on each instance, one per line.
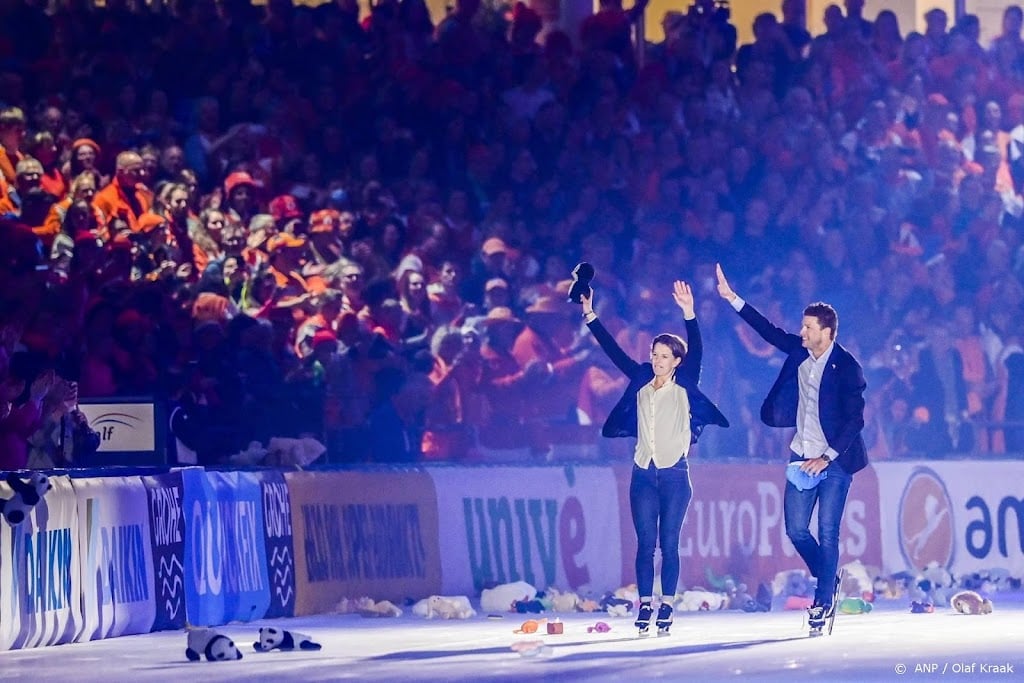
(287, 221)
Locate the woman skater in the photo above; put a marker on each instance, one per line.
(665, 411)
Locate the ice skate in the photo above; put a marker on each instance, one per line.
(820, 616)
(644, 617)
(664, 621)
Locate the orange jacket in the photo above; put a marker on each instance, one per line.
(7, 164)
(115, 203)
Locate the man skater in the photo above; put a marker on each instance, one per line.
(820, 391)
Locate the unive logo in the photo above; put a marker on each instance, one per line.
(925, 520)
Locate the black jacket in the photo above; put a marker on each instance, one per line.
(840, 399)
(622, 421)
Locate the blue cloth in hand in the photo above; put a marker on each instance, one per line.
(803, 481)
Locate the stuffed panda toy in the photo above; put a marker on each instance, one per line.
(216, 647)
(281, 639)
(26, 496)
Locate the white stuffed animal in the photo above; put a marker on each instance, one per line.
(206, 642)
(500, 598)
(444, 607)
(282, 639)
(26, 496)
(702, 601)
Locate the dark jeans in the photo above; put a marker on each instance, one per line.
(658, 500)
(821, 555)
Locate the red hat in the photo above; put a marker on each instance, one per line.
(323, 337)
(284, 207)
(238, 178)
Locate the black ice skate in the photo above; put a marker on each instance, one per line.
(644, 617)
(664, 621)
(820, 616)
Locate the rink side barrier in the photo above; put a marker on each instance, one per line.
(120, 551)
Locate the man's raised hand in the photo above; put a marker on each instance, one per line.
(724, 290)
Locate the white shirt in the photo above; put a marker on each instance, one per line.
(809, 440)
(663, 425)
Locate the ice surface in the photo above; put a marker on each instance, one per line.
(703, 646)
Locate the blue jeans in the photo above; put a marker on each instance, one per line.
(658, 500)
(822, 555)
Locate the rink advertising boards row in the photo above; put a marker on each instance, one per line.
(105, 556)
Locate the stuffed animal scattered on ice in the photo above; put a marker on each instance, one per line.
(206, 642)
(969, 602)
(857, 582)
(282, 639)
(616, 606)
(384, 608)
(349, 605)
(563, 602)
(444, 607)
(701, 601)
(27, 495)
(501, 597)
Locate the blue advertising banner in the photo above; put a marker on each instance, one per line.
(225, 552)
(116, 557)
(277, 535)
(165, 496)
(40, 572)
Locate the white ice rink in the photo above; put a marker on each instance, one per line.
(704, 646)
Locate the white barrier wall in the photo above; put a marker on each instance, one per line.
(967, 515)
(106, 556)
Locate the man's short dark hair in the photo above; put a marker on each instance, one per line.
(826, 315)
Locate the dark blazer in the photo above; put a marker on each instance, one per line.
(622, 421)
(840, 401)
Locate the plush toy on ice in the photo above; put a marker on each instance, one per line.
(282, 639)
(206, 642)
(26, 496)
(969, 602)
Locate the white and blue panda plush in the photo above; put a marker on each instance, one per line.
(216, 647)
(27, 495)
(281, 639)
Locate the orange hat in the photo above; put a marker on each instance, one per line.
(493, 245)
(325, 220)
(238, 178)
(284, 240)
(85, 142)
(149, 221)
